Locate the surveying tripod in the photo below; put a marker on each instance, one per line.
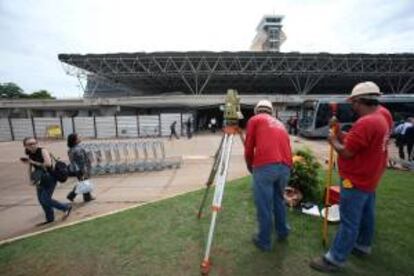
(220, 168)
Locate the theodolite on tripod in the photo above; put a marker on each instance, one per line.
(232, 115)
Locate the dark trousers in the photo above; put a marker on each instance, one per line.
(44, 195)
(410, 145)
(173, 133)
(292, 130)
(401, 142)
(401, 151)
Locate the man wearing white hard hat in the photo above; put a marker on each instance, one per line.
(269, 158)
(362, 159)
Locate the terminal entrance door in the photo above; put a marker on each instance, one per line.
(205, 114)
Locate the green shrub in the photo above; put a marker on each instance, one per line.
(304, 175)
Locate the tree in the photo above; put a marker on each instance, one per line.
(41, 94)
(10, 90)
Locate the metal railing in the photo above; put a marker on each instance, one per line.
(123, 157)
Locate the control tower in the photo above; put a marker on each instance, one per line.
(269, 35)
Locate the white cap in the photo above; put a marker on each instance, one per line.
(263, 105)
(367, 89)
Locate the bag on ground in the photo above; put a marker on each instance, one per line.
(84, 186)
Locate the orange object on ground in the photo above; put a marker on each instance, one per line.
(334, 195)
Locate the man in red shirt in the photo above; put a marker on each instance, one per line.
(269, 158)
(362, 156)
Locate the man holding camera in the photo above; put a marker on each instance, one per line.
(40, 174)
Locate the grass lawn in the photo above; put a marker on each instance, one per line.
(166, 238)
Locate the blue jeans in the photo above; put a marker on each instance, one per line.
(357, 211)
(269, 182)
(44, 195)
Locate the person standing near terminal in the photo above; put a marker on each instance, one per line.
(41, 175)
(401, 140)
(173, 131)
(80, 164)
(409, 137)
(362, 157)
(290, 125)
(188, 128)
(269, 158)
(213, 124)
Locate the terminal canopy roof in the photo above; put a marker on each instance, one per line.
(248, 72)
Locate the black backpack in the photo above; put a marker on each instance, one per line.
(60, 170)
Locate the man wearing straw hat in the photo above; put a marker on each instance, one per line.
(362, 157)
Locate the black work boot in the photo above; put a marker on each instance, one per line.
(71, 196)
(323, 265)
(88, 197)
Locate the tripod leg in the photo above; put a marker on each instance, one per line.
(210, 180)
(218, 196)
(242, 137)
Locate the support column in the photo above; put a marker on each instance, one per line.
(181, 119)
(159, 125)
(33, 127)
(138, 132)
(73, 124)
(11, 128)
(62, 131)
(116, 125)
(94, 127)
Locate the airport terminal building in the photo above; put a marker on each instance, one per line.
(130, 84)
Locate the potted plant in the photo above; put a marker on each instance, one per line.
(304, 182)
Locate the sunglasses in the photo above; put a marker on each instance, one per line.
(31, 144)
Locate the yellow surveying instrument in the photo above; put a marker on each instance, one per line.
(232, 115)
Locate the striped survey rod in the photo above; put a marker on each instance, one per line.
(329, 175)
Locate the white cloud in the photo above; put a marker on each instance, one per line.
(34, 32)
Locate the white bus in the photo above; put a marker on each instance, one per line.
(316, 113)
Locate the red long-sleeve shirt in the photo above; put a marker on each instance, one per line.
(368, 139)
(267, 142)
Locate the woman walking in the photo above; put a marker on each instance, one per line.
(41, 175)
(80, 165)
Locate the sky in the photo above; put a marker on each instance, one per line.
(34, 32)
